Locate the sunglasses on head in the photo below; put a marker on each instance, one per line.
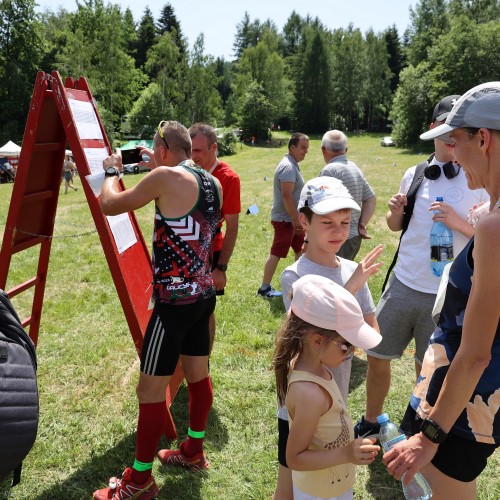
(160, 133)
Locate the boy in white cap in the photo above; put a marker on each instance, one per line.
(325, 207)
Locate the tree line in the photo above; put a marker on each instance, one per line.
(306, 76)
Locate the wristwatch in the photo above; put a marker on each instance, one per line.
(432, 431)
(222, 267)
(111, 172)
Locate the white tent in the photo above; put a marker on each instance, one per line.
(10, 149)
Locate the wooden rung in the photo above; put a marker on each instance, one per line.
(26, 322)
(24, 245)
(23, 287)
(36, 197)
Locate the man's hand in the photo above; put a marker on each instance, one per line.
(363, 232)
(409, 456)
(114, 161)
(397, 203)
(447, 215)
(297, 226)
(152, 162)
(219, 278)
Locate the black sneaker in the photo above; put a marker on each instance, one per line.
(269, 293)
(365, 429)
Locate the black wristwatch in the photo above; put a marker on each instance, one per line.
(111, 172)
(432, 431)
(222, 267)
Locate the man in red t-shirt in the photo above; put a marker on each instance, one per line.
(204, 154)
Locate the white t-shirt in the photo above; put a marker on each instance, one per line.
(339, 275)
(413, 266)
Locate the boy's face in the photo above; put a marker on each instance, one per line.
(327, 232)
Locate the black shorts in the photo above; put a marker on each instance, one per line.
(174, 330)
(283, 431)
(459, 458)
(215, 261)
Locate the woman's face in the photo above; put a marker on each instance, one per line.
(469, 156)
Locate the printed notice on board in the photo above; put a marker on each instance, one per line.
(85, 119)
(95, 157)
(122, 231)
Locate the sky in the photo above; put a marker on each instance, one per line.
(217, 19)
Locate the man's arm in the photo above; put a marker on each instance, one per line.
(228, 244)
(290, 205)
(367, 211)
(394, 216)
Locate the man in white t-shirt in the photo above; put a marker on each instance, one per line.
(405, 308)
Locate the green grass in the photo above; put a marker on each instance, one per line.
(88, 365)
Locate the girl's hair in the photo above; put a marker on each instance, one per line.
(289, 344)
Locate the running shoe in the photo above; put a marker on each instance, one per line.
(269, 293)
(365, 429)
(197, 463)
(121, 489)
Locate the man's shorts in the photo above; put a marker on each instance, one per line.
(403, 314)
(284, 238)
(215, 261)
(174, 330)
(459, 458)
(350, 248)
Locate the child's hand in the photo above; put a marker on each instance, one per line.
(366, 268)
(363, 451)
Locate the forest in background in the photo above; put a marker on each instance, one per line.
(304, 76)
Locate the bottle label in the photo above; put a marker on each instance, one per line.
(441, 253)
(390, 444)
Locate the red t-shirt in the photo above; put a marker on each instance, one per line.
(231, 203)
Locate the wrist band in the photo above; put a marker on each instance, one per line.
(196, 434)
(141, 466)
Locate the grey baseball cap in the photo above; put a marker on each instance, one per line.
(477, 108)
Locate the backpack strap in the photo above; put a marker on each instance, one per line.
(408, 210)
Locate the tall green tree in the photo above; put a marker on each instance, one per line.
(168, 23)
(349, 75)
(256, 113)
(479, 11)
(377, 89)
(203, 100)
(248, 34)
(411, 104)
(22, 49)
(292, 34)
(312, 82)
(397, 60)
(428, 21)
(146, 36)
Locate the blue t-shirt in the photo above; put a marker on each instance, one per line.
(480, 420)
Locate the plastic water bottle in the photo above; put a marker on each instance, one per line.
(441, 240)
(389, 435)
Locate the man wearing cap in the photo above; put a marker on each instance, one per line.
(334, 149)
(405, 308)
(454, 410)
(288, 233)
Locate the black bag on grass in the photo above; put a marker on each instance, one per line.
(18, 392)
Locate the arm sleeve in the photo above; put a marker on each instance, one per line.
(288, 278)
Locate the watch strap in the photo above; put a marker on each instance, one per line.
(222, 267)
(432, 431)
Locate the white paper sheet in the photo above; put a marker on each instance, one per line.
(122, 231)
(86, 120)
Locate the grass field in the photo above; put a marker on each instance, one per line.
(88, 365)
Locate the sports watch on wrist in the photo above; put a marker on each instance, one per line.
(432, 431)
(111, 172)
(222, 267)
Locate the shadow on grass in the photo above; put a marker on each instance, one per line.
(276, 306)
(95, 473)
(358, 373)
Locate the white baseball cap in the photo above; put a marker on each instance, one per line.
(325, 304)
(477, 108)
(326, 194)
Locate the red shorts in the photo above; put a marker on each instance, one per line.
(284, 238)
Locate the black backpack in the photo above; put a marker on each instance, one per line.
(18, 392)
(408, 211)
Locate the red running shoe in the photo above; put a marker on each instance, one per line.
(121, 489)
(197, 463)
